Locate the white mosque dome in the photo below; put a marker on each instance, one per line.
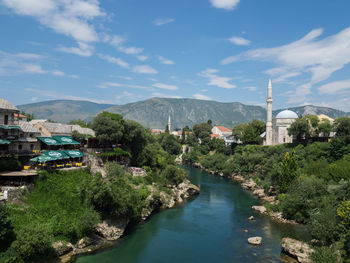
(287, 114)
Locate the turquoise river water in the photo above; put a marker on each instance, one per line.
(208, 228)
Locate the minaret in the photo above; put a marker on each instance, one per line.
(169, 124)
(269, 115)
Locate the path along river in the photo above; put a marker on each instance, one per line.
(208, 228)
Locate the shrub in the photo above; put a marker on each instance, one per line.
(174, 175)
(32, 242)
(324, 255)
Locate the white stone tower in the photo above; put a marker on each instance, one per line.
(269, 115)
(169, 124)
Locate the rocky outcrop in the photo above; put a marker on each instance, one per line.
(62, 248)
(256, 241)
(111, 230)
(299, 250)
(275, 215)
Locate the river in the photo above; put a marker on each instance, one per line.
(208, 228)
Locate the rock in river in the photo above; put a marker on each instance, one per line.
(255, 240)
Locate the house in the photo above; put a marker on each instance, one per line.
(49, 129)
(221, 131)
(9, 130)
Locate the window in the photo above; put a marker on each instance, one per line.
(6, 120)
(20, 147)
(32, 147)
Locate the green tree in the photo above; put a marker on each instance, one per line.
(108, 128)
(171, 145)
(325, 128)
(6, 229)
(239, 130)
(324, 255)
(288, 174)
(342, 127)
(80, 122)
(202, 131)
(174, 174)
(299, 129)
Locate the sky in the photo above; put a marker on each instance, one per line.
(122, 51)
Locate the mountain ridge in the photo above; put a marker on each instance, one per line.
(154, 112)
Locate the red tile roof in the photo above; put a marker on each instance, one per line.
(20, 115)
(223, 129)
(214, 135)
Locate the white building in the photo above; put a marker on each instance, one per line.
(277, 129)
(221, 131)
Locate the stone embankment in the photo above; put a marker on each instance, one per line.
(111, 230)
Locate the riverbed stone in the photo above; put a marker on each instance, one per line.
(251, 218)
(261, 209)
(297, 249)
(256, 241)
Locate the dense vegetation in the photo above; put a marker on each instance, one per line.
(311, 180)
(67, 205)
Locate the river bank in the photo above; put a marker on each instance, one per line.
(209, 228)
(110, 230)
(248, 184)
(291, 248)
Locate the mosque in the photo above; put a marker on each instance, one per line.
(277, 129)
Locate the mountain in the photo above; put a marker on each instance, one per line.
(154, 112)
(63, 110)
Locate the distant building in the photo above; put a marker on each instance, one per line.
(221, 131)
(277, 129)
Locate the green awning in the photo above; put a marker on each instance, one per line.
(74, 153)
(59, 155)
(49, 141)
(10, 127)
(66, 140)
(3, 141)
(43, 159)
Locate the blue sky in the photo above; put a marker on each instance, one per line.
(121, 51)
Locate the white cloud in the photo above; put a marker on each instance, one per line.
(314, 58)
(251, 88)
(118, 61)
(215, 80)
(163, 21)
(19, 63)
(125, 77)
(204, 90)
(201, 97)
(83, 49)
(165, 61)
(225, 4)
(158, 94)
(105, 85)
(58, 73)
(144, 69)
(165, 86)
(116, 40)
(142, 57)
(335, 87)
(130, 50)
(240, 41)
(71, 18)
(229, 60)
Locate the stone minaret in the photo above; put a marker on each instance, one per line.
(169, 124)
(269, 115)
